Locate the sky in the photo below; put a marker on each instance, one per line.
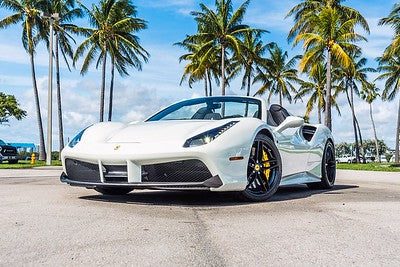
(143, 93)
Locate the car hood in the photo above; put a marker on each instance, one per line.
(158, 131)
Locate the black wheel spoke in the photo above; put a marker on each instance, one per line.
(251, 179)
(270, 161)
(263, 177)
(260, 180)
(270, 167)
(259, 152)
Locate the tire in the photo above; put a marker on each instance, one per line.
(14, 161)
(328, 169)
(114, 191)
(264, 170)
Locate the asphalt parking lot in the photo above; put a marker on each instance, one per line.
(44, 222)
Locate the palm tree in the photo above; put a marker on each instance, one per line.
(331, 37)
(391, 74)
(27, 12)
(196, 70)
(348, 80)
(251, 57)
(369, 93)
(316, 87)
(63, 28)
(124, 46)
(278, 74)
(220, 29)
(394, 21)
(113, 23)
(305, 11)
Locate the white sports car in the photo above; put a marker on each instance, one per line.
(227, 143)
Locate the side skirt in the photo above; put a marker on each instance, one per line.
(300, 178)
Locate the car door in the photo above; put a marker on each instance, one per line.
(294, 151)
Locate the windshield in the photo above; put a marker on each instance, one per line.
(2, 142)
(211, 108)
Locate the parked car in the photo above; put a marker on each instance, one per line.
(370, 159)
(345, 159)
(224, 143)
(392, 159)
(383, 158)
(8, 153)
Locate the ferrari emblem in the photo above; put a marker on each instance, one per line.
(117, 147)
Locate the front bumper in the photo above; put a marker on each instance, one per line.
(213, 182)
(8, 157)
(183, 175)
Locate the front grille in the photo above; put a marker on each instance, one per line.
(115, 174)
(185, 171)
(82, 171)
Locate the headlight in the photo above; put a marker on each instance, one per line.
(76, 139)
(210, 135)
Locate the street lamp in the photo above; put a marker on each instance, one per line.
(52, 18)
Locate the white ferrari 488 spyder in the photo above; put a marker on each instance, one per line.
(224, 143)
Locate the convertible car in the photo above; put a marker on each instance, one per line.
(226, 143)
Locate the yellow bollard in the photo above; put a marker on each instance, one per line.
(33, 158)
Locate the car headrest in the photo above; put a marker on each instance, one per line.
(199, 115)
(212, 116)
(278, 113)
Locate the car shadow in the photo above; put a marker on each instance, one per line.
(202, 199)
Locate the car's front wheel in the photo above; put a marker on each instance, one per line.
(264, 169)
(13, 161)
(113, 190)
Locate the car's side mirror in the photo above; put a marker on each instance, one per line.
(290, 122)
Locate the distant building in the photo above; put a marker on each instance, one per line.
(25, 147)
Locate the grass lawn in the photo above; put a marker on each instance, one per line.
(385, 167)
(23, 164)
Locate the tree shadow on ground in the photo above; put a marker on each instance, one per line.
(203, 199)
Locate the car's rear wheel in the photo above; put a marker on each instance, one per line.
(14, 161)
(113, 190)
(264, 169)
(328, 168)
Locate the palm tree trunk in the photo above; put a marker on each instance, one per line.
(328, 116)
(354, 124)
(223, 69)
(110, 103)
(319, 114)
(42, 150)
(248, 85)
(396, 154)
(103, 85)
(376, 138)
(209, 82)
(205, 85)
(362, 150)
(60, 121)
(280, 98)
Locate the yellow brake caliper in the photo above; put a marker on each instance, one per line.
(266, 165)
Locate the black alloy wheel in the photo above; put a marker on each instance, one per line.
(264, 169)
(328, 168)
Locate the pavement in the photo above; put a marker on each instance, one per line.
(44, 222)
